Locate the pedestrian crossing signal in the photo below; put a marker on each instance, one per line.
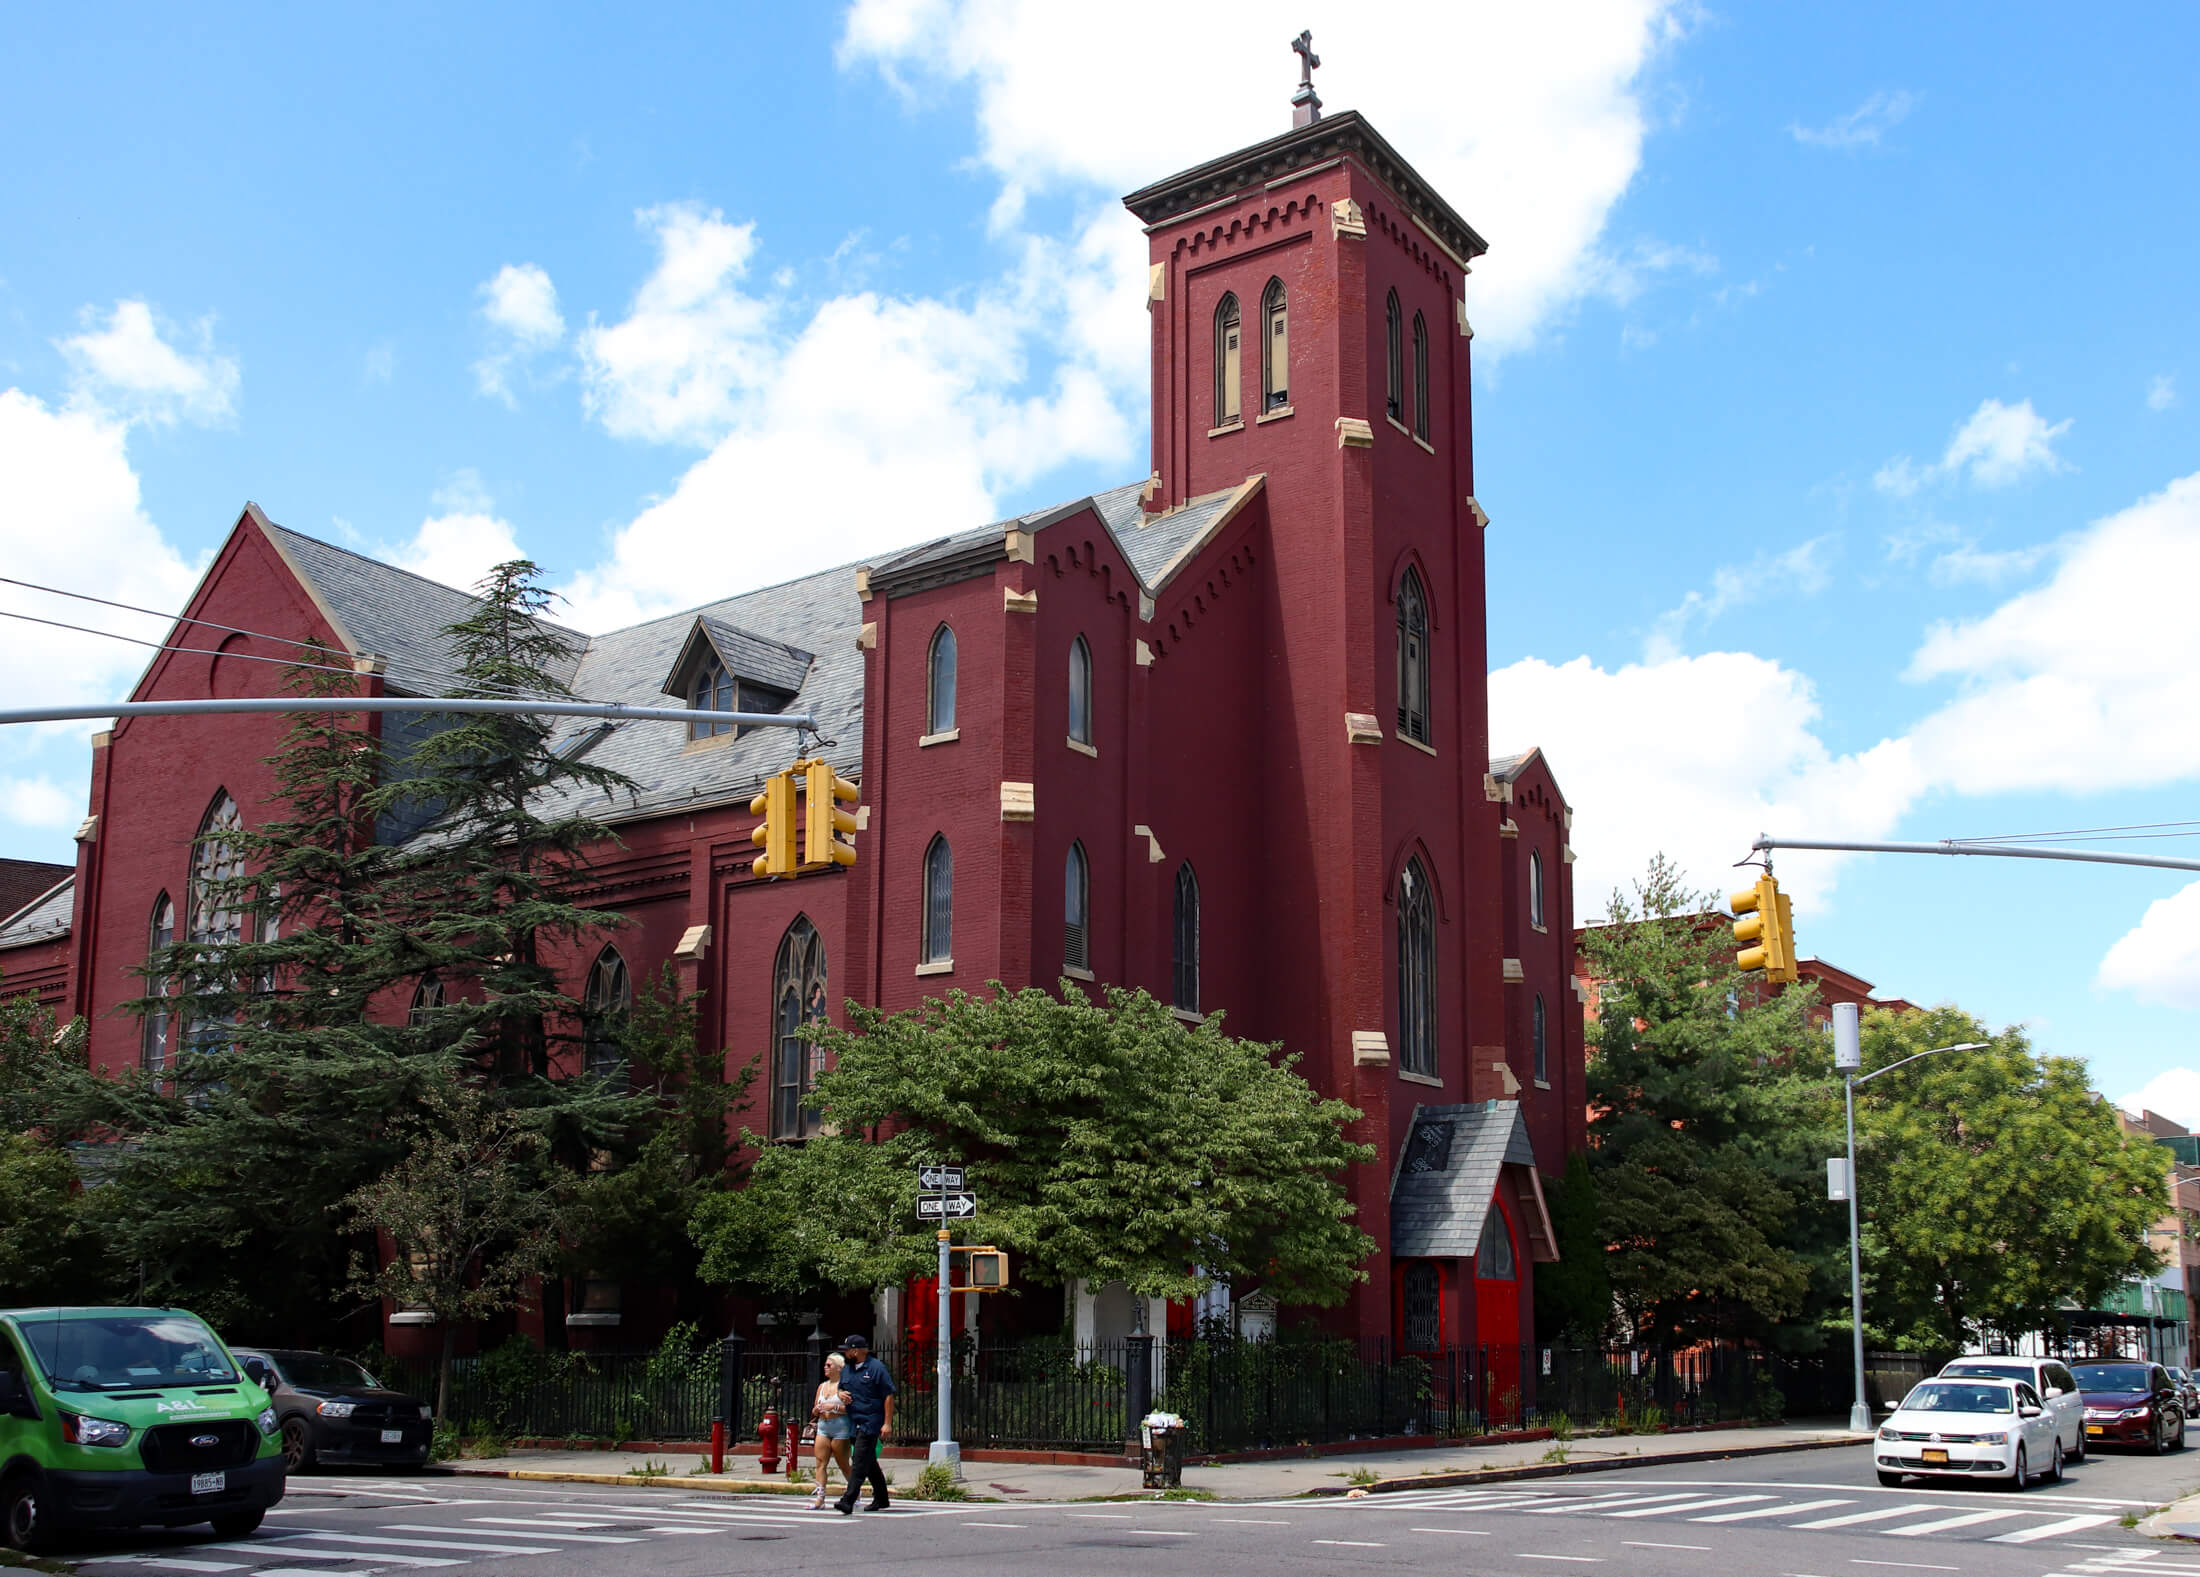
(981, 1268)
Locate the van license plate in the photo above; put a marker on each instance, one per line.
(1936, 1458)
(393, 1437)
(209, 1483)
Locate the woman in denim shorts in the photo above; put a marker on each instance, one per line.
(830, 1410)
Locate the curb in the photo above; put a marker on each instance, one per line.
(1594, 1465)
(719, 1486)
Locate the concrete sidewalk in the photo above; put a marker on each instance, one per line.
(2178, 1520)
(1270, 1480)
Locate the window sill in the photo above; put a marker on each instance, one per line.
(1276, 415)
(1408, 739)
(1393, 420)
(710, 741)
(1084, 749)
(1423, 442)
(1543, 1084)
(945, 736)
(412, 1317)
(939, 966)
(1421, 1078)
(1541, 929)
(1075, 973)
(590, 1321)
(1237, 426)
(1187, 1016)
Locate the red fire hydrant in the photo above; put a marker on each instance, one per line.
(767, 1435)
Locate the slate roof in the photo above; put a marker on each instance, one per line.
(1158, 545)
(1447, 1175)
(23, 880)
(390, 612)
(47, 916)
(1506, 768)
(772, 664)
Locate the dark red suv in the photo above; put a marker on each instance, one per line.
(2131, 1404)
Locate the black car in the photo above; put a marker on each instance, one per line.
(333, 1411)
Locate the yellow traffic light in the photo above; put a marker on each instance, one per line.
(828, 833)
(1766, 930)
(983, 1268)
(776, 832)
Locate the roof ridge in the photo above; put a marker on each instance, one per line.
(399, 569)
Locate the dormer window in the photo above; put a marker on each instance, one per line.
(711, 691)
(722, 668)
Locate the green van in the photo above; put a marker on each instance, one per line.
(115, 1418)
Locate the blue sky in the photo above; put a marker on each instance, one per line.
(1836, 376)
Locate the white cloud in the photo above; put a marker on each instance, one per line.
(1971, 566)
(461, 543)
(1801, 568)
(41, 802)
(1645, 771)
(1996, 445)
(1554, 137)
(2161, 392)
(379, 365)
(2159, 959)
(125, 367)
(2174, 1093)
(520, 305)
(1862, 127)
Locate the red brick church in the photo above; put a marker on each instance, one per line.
(1221, 733)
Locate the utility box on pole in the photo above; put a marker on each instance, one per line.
(1837, 1178)
(1848, 1046)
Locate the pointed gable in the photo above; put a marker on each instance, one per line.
(755, 660)
(1446, 1178)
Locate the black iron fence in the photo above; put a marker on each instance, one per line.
(1234, 1395)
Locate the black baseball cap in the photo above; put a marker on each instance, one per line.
(861, 1341)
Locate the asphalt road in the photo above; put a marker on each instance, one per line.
(1810, 1514)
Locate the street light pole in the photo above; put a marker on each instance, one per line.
(1848, 1056)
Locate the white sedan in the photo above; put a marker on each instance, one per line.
(1971, 1428)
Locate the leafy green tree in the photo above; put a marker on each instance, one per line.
(45, 1255)
(1573, 1294)
(1106, 1141)
(1706, 1091)
(474, 1209)
(1998, 1187)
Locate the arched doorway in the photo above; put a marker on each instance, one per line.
(1497, 1317)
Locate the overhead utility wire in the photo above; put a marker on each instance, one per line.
(2133, 827)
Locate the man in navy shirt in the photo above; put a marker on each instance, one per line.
(870, 1393)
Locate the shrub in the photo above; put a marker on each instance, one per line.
(938, 1482)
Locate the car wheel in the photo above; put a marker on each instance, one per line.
(238, 1523)
(2178, 1444)
(2077, 1451)
(25, 1523)
(2158, 1441)
(298, 1454)
(2023, 1475)
(2055, 1463)
(1891, 1480)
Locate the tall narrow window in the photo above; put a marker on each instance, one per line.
(798, 998)
(1535, 889)
(1394, 344)
(1420, 378)
(1493, 1257)
(604, 1008)
(1185, 953)
(426, 998)
(1080, 691)
(1421, 1310)
(217, 914)
(939, 714)
(1275, 348)
(160, 1023)
(939, 903)
(1542, 1055)
(1229, 362)
(712, 691)
(1413, 665)
(1416, 972)
(1076, 911)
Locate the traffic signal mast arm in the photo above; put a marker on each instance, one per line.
(1959, 846)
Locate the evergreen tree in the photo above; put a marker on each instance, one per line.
(45, 1255)
(1573, 1294)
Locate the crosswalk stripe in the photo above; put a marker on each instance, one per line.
(534, 1531)
(1968, 1519)
(1585, 1503)
(1644, 1500)
(1773, 1511)
(1686, 1505)
(1881, 1515)
(381, 1543)
(2048, 1530)
(290, 1552)
(172, 1563)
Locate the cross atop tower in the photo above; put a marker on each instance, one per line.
(1306, 104)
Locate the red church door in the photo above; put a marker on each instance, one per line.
(1497, 1319)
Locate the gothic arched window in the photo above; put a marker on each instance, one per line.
(1184, 954)
(798, 998)
(159, 1024)
(712, 691)
(1413, 664)
(1076, 910)
(939, 902)
(1416, 972)
(1275, 348)
(1394, 346)
(604, 1007)
(1540, 1029)
(1420, 378)
(1229, 362)
(1080, 691)
(1535, 888)
(217, 919)
(939, 714)
(426, 998)
(1493, 1259)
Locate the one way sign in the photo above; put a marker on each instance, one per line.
(931, 1176)
(946, 1207)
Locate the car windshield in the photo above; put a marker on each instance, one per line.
(319, 1372)
(1938, 1396)
(1984, 1371)
(2111, 1377)
(126, 1352)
